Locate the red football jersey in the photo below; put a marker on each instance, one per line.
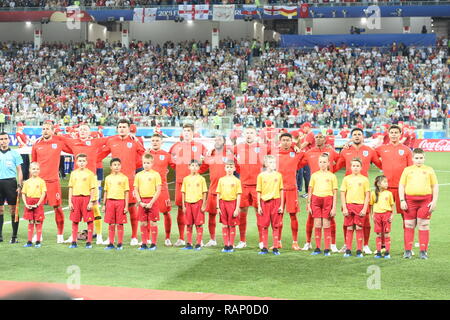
(216, 164)
(365, 153)
(269, 135)
(310, 139)
(161, 161)
(47, 153)
(288, 162)
(344, 133)
(311, 158)
(394, 159)
(182, 153)
(128, 150)
(90, 147)
(249, 159)
(330, 140)
(24, 138)
(386, 138)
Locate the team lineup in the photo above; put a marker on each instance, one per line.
(259, 173)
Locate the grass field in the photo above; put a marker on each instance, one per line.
(292, 275)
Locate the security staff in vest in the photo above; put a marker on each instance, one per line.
(10, 168)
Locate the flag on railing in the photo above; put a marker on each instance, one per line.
(144, 14)
(223, 12)
(249, 9)
(288, 11)
(193, 11)
(304, 10)
(271, 10)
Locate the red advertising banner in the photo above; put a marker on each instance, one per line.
(434, 145)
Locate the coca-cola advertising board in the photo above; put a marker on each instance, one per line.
(434, 145)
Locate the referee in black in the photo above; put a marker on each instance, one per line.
(10, 168)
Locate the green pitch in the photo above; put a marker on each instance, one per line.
(292, 275)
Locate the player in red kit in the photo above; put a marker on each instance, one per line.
(133, 131)
(330, 138)
(215, 161)
(395, 157)
(357, 149)
(344, 132)
(127, 149)
(288, 162)
(305, 143)
(236, 133)
(182, 153)
(161, 162)
(269, 134)
(47, 152)
(311, 159)
(249, 157)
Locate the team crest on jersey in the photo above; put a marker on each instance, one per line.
(401, 152)
(292, 154)
(88, 143)
(129, 145)
(194, 148)
(224, 159)
(365, 153)
(161, 157)
(257, 149)
(54, 145)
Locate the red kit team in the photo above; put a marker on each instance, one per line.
(258, 171)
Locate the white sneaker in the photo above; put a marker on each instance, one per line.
(149, 241)
(202, 244)
(211, 243)
(343, 249)
(412, 253)
(306, 247)
(167, 243)
(241, 245)
(60, 238)
(180, 243)
(99, 239)
(134, 242)
(367, 250)
(334, 248)
(261, 245)
(69, 240)
(417, 245)
(106, 242)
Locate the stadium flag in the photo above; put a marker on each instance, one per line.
(288, 11)
(271, 10)
(193, 12)
(249, 10)
(304, 10)
(144, 14)
(223, 12)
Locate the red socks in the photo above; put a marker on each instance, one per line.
(264, 236)
(328, 236)
(144, 233)
(260, 233)
(199, 234)
(212, 226)
(424, 239)
(349, 239)
(74, 231)
(366, 235)
(242, 225)
(379, 242)
(276, 237)
(318, 236)
(359, 239)
(309, 228)
(181, 223)
(294, 227)
(90, 226)
(59, 219)
(409, 238)
(387, 243)
(154, 231)
(120, 233)
(280, 230)
(232, 232)
(167, 224)
(31, 231)
(226, 236)
(332, 230)
(39, 231)
(133, 220)
(189, 234)
(344, 228)
(112, 233)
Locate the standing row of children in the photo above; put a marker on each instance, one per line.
(418, 193)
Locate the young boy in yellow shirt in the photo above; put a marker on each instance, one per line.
(322, 196)
(115, 203)
(229, 192)
(193, 198)
(33, 196)
(355, 196)
(147, 188)
(82, 189)
(269, 187)
(418, 191)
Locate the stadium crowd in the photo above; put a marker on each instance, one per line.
(102, 82)
(336, 86)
